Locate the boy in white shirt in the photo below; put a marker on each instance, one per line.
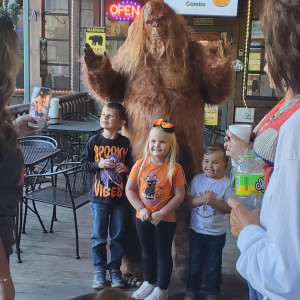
(208, 197)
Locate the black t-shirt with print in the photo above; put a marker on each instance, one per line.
(107, 185)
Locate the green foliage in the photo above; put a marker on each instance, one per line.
(13, 11)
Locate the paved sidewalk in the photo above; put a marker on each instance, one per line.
(50, 271)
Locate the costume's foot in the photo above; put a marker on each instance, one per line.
(145, 290)
(158, 294)
(132, 281)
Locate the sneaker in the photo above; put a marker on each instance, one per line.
(99, 280)
(158, 294)
(145, 290)
(116, 279)
(190, 296)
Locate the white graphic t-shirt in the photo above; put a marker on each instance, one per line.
(205, 219)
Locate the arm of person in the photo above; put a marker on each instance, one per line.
(22, 128)
(133, 198)
(176, 200)
(195, 201)
(218, 204)
(88, 162)
(7, 291)
(270, 253)
(235, 147)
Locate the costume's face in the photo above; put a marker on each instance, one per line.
(155, 22)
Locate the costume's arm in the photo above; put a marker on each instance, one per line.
(215, 83)
(104, 82)
(270, 258)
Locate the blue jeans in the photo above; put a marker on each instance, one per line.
(108, 218)
(205, 255)
(254, 294)
(156, 242)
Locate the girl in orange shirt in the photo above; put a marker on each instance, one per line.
(155, 189)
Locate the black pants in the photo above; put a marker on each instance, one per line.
(156, 242)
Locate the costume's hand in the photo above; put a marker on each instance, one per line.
(106, 164)
(145, 214)
(121, 168)
(241, 216)
(234, 146)
(93, 61)
(22, 128)
(156, 218)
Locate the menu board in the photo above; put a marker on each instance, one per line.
(222, 8)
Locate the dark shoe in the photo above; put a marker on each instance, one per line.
(116, 279)
(99, 280)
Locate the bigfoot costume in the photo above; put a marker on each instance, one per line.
(161, 72)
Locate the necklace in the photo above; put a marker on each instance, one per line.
(278, 113)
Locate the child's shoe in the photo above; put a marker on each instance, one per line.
(116, 279)
(99, 279)
(158, 294)
(144, 290)
(190, 296)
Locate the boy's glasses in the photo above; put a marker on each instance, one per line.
(168, 127)
(5, 19)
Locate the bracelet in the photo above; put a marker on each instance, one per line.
(2, 280)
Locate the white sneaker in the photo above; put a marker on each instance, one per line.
(145, 290)
(158, 294)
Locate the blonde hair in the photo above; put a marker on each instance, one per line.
(171, 158)
(9, 67)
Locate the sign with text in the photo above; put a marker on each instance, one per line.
(125, 10)
(222, 8)
(96, 38)
(211, 115)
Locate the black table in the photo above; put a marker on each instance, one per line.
(75, 126)
(72, 136)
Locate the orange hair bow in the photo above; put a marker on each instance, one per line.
(166, 126)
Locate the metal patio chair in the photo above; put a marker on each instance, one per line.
(69, 189)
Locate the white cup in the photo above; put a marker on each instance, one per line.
(54, 111)
(242, 131)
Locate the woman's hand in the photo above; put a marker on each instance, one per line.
(145, 214)
(235, 147)
(7, 290)
(22, 128)
(156, 218)
(241, 216)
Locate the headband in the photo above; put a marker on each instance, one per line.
(166, 126)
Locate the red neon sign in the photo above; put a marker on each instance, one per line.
(124, 10)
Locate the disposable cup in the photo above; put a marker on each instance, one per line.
(39, 106)
(54, 111)
(242, 131)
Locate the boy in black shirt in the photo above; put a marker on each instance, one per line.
(107, 156)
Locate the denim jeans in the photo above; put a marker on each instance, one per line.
(156, 242)
(254, 294)
(108, 218)
(205, 256)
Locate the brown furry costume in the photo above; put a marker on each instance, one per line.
(161, 72)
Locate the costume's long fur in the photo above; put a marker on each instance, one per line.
(171, 79)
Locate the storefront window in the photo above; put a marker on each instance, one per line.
(257, 82)
(57, 37)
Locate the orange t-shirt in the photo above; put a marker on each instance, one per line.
(155, 190)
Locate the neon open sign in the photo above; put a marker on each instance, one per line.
(124, 10)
